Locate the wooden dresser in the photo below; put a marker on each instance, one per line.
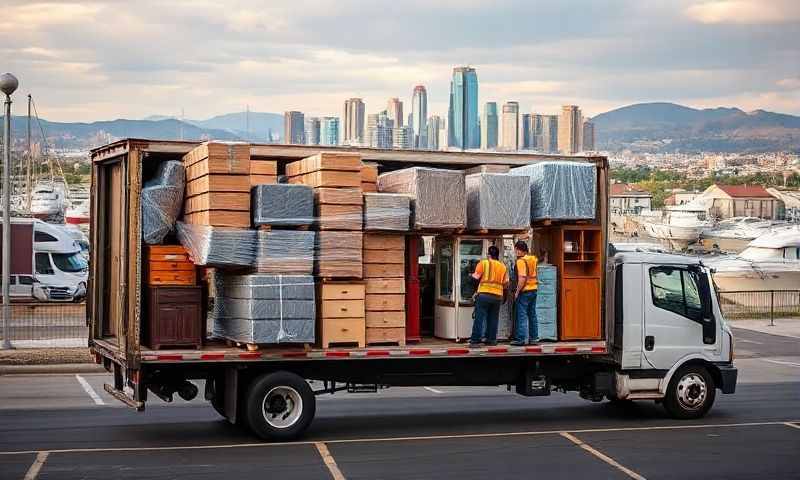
(174, 317)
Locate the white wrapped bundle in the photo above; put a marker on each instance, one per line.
(218, 246)
(162, 198)
(439, 201)
(282, 204)
(498, 201)
(561, 190)
(387, 211)
(285, 251)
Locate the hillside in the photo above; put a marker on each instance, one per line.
(667, 127)
(254, 126)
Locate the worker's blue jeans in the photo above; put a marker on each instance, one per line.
(487, 314)
(526, 317)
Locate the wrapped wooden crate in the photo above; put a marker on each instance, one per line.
(561, 190)
(338, 254)
(218, 246)
(338, 209)
(162, 197)
(439, 196)
(282, 205)
(213, 195)
(387, 211)
(497, 201)
(341, 318)
(285, 251)
(259, 309)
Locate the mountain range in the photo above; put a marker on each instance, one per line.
(642, 127)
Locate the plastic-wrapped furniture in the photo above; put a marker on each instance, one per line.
(561, 190)
(498, 201)
(387, 211)
(282, 204)
(439, 196)
(162, 198)
(218, 246)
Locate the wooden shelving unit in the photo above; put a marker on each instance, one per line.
(576, 251)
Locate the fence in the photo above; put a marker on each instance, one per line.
(760, 304)
(50, 325)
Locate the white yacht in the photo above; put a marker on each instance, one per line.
(734, 234)
(770, 262)
(677, 227)
(48, 200)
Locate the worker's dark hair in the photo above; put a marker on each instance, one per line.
(494, 252)
(521, 246)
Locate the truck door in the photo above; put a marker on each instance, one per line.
(678, 319)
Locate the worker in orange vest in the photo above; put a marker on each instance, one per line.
(527, 328)
(492, 276)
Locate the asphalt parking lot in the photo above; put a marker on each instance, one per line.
(53, 427)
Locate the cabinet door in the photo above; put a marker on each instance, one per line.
(190, 323)
(168, 325)
(581, 309)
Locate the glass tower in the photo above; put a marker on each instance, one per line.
(463, 110)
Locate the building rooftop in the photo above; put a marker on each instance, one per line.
(745, 191)
(628, 190)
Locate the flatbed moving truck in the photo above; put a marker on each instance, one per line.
(663, 335)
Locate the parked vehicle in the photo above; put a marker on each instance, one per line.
(662, 336)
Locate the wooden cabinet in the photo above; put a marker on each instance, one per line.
(577, 253)
(174, 317)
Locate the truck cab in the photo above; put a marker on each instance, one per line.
(669, 340)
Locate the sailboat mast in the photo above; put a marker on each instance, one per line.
(29, 162)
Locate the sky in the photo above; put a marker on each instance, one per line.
(107, 59)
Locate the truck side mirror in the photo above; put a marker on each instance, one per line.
(708, 322)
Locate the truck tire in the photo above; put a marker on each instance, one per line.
(690, 393)
(279, 406)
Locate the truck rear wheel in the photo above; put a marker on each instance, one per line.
(279, 406)
(690, 394)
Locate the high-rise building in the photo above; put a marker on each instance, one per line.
(419, 117)
(462, 113)
(379, 130)
(536, 133)
(489, 126)
(312, 130)
(329, 131)
(588, 135)
(549, 134)
(570, 130)
(402, 137)
(524, 135)
(510, 127)
(395, 111)
(435, 127)
(353, 132)
(294, 128)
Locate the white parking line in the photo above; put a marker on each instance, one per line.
(33, 472)
(90, 391)
(407, 439)
(434, 390)
(742, 340)
(329, 461)
(602, 456)
(779, 362)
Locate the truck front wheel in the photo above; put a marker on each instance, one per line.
(690, 394)
(279, 406)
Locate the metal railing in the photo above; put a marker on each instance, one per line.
(47, 325)
(770, 304)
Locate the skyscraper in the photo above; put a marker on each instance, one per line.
(353, 133)
(570, 130)
(549, 134)
(510, 133)
(312, 130)
(329, 131)
(379, 130)
(419, 117)
(402, 137)
(435, 127)
(294, 128)
(489, 126)
(524, 136)
(395, 111)
(536, 133)
(462, 114)
(588, 135)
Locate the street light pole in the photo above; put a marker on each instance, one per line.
(8, 84)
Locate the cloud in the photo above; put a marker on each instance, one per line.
(792, 83)
(745, 11)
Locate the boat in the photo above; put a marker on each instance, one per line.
(78, 212)
(770, 262)
(47, 200)
(678, 228)
(734, 234)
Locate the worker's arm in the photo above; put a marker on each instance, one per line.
(521, 278)
(478, 273)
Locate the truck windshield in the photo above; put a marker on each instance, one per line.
(70, 262)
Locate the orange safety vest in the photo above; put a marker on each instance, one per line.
(492, 278)
(525, 266)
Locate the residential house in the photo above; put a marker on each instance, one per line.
(726, 201)
(627, 198)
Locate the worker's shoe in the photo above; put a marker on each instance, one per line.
(474, 345)
(517, 343)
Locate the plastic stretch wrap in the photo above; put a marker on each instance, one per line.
(439, 196)
(561, 190)
(259, 308)
(282, 204)
(387, 211)
(546, 304)
(162, 198)
(218, 246)
(497, 201)
(285, 251)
